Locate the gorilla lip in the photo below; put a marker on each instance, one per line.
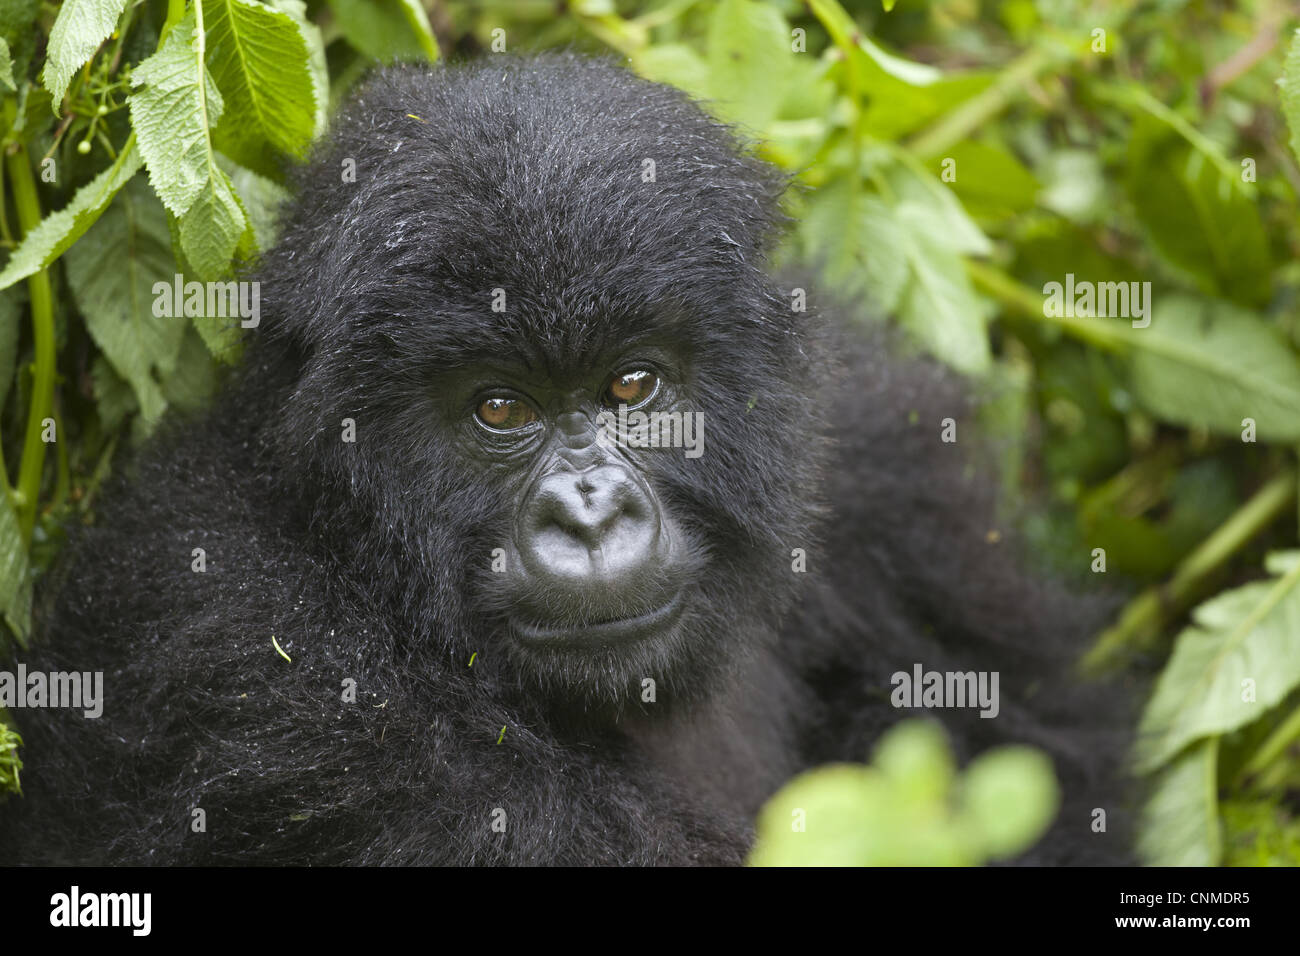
(639, 625)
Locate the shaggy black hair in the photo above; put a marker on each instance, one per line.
(367, 561)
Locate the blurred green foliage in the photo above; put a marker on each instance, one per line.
(955, 157)
(910, 808)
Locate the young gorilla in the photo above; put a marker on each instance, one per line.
(610, 650)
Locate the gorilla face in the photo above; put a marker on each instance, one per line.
(528, 293)
(593, 556)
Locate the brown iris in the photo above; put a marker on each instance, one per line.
(505, 414)
(631, 388)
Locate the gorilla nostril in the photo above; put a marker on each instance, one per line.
(599, 523)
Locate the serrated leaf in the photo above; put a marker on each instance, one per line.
(1238, 657)
(258, 58)
(1212, 364)
(212, 227)
(925, 205)
(311, 35)
(939, 306)
(112, 273)
(79, 29)
(858, 242)
(57, 231)
(173, 115)
(260, 198)
(1179, 825)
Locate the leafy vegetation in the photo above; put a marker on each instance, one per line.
(965, 164)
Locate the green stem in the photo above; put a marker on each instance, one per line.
(1273, 746)
(175, 13)
(1024, 301)
(28, 209)
(1141, 620)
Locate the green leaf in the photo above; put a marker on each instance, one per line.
(858, 242)
(418, 21)
(173, 115)
(1202, 221)
(192, 383)
(6, 66)
(916, 760)
(258, 58)
(989, 181)
(940, 307)
(1073, 185)
(903, 810)
(17, 18)
(749, 52)
(386, 30)
(1212, 364)
(905, 254)
(1239, 657)
(260, 198)
(79, 29)
(842, 807)
(57, 231)
(1290, 91)
(1010, 797)
(1179, 825)
(897, 96)
(311, 35)
(114, 400)
(212, 228)
(15, 574)
(895, 813)
(925, 205)
(112, 272)
(676, 64)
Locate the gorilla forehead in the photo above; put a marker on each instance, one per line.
(599, 203)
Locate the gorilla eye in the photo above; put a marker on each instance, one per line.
(632, 388)
(505, 414)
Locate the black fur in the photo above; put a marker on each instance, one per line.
(368, 560)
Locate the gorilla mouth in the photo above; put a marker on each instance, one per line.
(621, 629)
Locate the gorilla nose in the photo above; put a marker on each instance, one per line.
(598, 526)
